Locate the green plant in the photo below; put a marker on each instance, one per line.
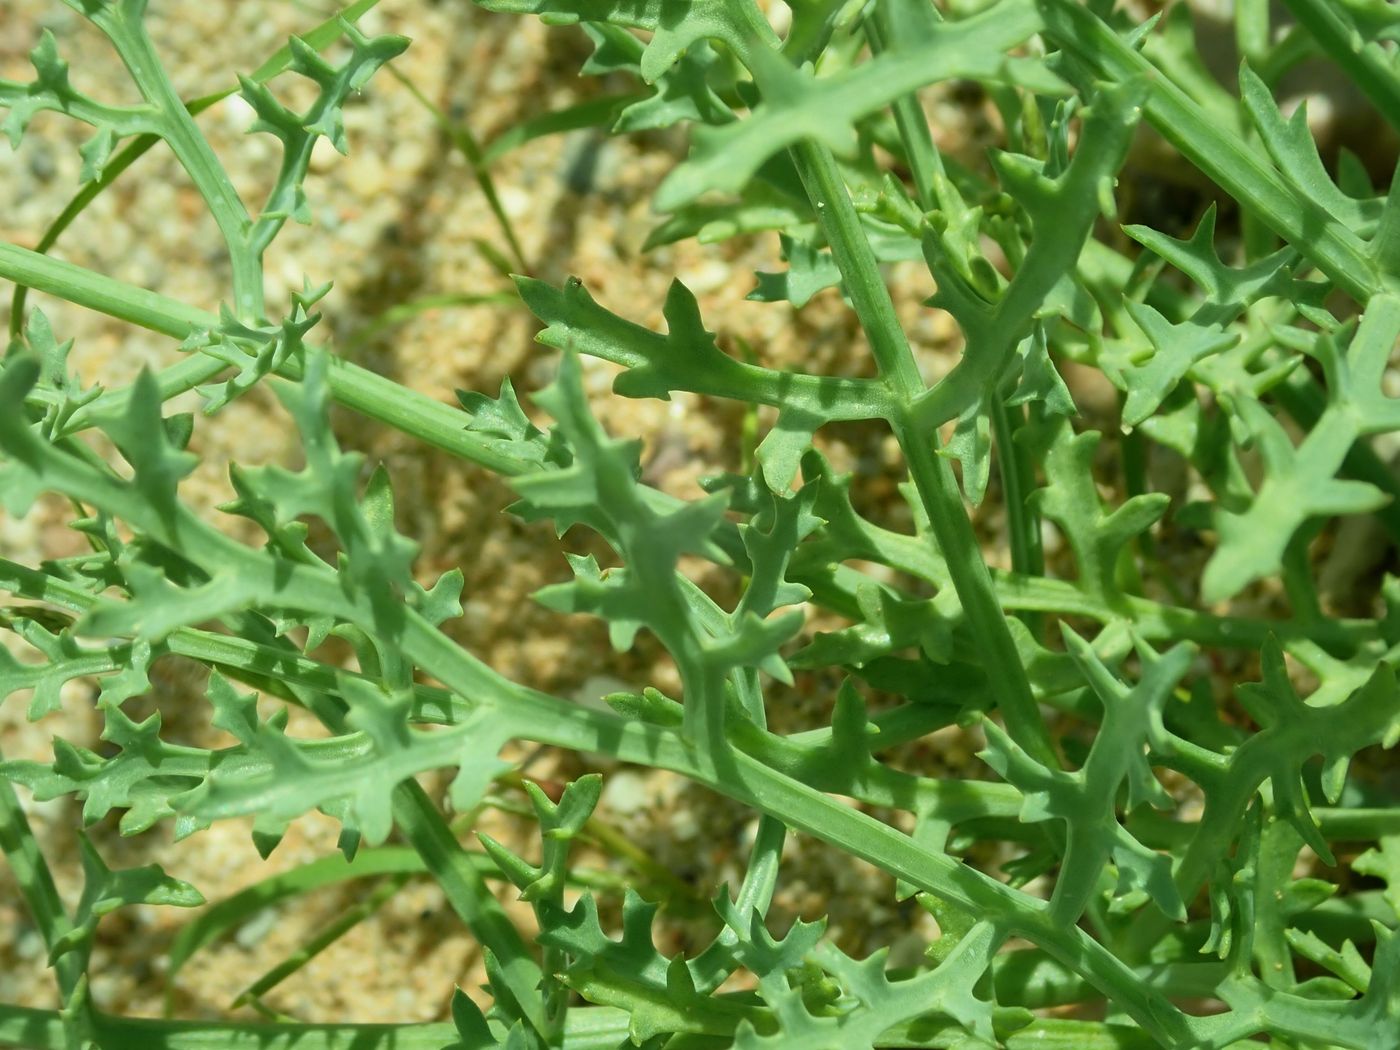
(1185, 862)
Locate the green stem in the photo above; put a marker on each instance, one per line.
(192, 150)
(889, 24)
(1017, 482)
(587, 1028)
(460, 135)
(519, 710)
(1279, 843)
(755, 895)
(36, 886)
(860, 271)
(324, 938)
(600, 1028)
(96, 291)
(931, 472)
(444, 427)
(1100, 53)
(327, 32)
(1252, 30)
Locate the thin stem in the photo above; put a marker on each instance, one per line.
(1017, 482)
(891, 22)
(736, 774)
(36, 885)
(322, 939)
(599, 1028)
(460, 135)
(888, 24)
(860, 271)
(444, 427)
(931, 472)
(318, 37)
(193, 152)
(586, 1028)
(1097, 52)
(1252, 29)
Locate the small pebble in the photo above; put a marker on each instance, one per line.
(626, 792)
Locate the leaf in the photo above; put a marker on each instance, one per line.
(1291, 145)
(1345, 962)
(889, 623)
(143, 776)
(871, 1003)
(67, 394)
(51, 90)
(472, 1032)
(659, 994)
(1356, 381)
(292, 777)
(760, 207)
(158, 607)
(845, 534)
(1383, 862)
(971, 445)
(754, 642)
(809, 271)
(649, 592)
(1040, 382)
(260, 350)
(782, 448)
(687, 357)
(1173, 351)
(144, 440)
(674, 29)
(770, 537)
(764, 955)
(1223, 285)
(1071, 500)
(64, 661)
(324, 117)
(1062, 211)
(21, 477)
(52, 355)
(1279, 711)
(1299, 484)
(560, 823)
(441, 602)
(682, 94)
(1085, 800)
(504, 422)
(1291, 733)
(104, 891)
(375, 567)
(650, 706)
(95, 153)
(797, 106)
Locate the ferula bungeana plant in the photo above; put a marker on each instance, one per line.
(1178, 832)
